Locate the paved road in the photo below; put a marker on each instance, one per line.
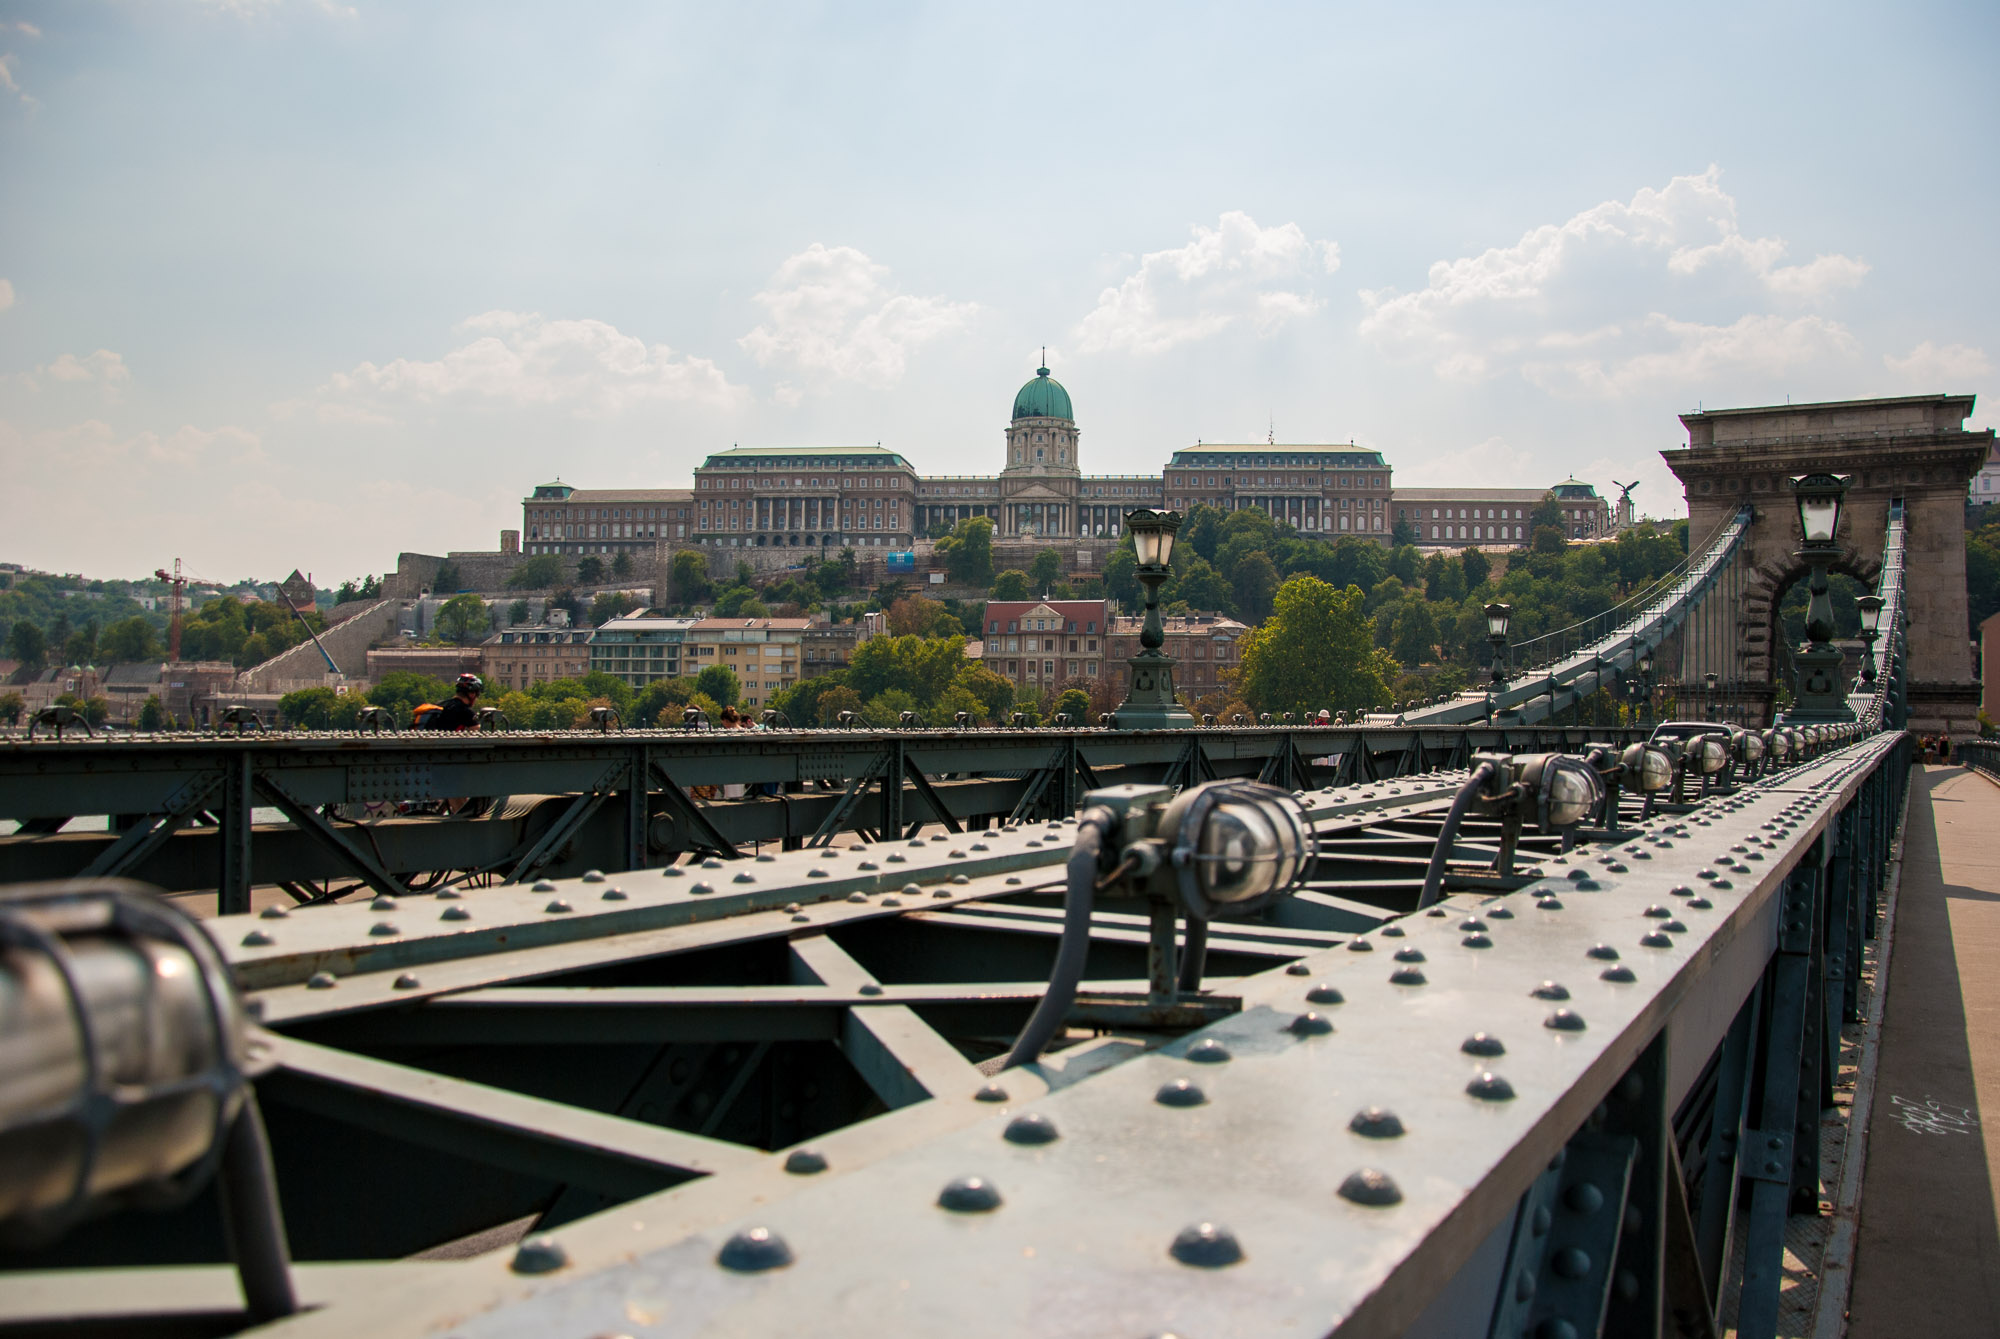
(1928, 1257)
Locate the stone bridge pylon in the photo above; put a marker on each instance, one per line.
(1914, 449)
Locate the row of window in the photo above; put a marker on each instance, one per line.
(1046, 669)
(603, 513)
(1281, 481)
(860, 481)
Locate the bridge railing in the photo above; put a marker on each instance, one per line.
(1627, 635)
(1880, 699)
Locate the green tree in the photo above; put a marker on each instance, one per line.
(1546, 512)
(1121, 576)
(1046, 571)
(968, 552)
(740, 602)
(995, 692)
(1404, 532)
(1416, 634)
(610, 605)
(518, 612)
(830, 577)
(1405, 563)
(1549, 539)
(12, 705)
(26, 644)
(1477, 568)
(1077, 703)
(81, 648)
(94, 709)
(590, 569)
(719, 683)
(689, 577)
(447, 578)
(915, 616)
(1254, 580)
(621, 565)
(463, 619)
(1201, 588)
(540, 572)
(152, 713)
(314, 709)
(1011, 584)
(1200, 532)
(129, 641)
(1316, 650)
(403, 690)
(834, 701)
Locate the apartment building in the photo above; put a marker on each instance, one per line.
(767, 654)
(1045, 643)
(640, 648)
(522, 656)
(1202, 645)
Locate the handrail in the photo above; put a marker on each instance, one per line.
(1879, 703)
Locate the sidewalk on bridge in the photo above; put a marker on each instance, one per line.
(1927, 1260)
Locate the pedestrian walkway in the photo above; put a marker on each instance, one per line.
(1927, 1260)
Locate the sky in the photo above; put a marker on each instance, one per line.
(287, 283)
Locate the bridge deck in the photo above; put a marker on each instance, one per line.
(1928, 1256)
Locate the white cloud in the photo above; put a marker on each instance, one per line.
(6, 295)
(103, 366)
(834, 314)
(1493, 458)
(1232, 274)
(524, 359)
(10, 84)
(1655, 288)
(1935, 366)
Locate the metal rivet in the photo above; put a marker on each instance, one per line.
(455, 914)
(1411, 954)
(801, 916)
(1501, 914)
(990, 1092)
(969, 1194)
(745, 877)
(1472, 925)
(1555, 1327)
(1583, 1197)
(616, 895)
(1680, 890)
(1658, 913)
(1477, 941)
(892, 901)
(1587, 885)
(857, 897)
(1376, 1123)
(1371, 1187)
(543, 886)
(1482, 1043)
(1208, 1051)
(1655, 939)
(1700, 903)
(673, 872)
(1621, 975)
(805, 1162)
(539, 1255)
(1673, 927)
(1356, 946)
(1705, 874)
(981, 846)
(960, 878)
(322, 981)
(1564, 1020)
(258, 939)
(1297, 969)
(700, 888)
(1548, 904)
(766, 859)
(1325, 994)
(596, 875)
(815, 874)
(945, 892)
(1310, 1025)
(870, 988)
(1578, 875)
(754, 1250)
(1392, 931)
(1490, 1088)
(274, 913)
(1407, 976)
(897, 858)
(913, 890)
(558, 907)
(407, 982)
(1604, 951)
(1030, 1127)
(1435, 911)
(383, 928)
(1549, 990)
(1571, 1262)
(867, 865)
(383, 903)
(1206, 1246)
(1180, 1093)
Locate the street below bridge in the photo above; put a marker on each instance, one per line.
(1928, 1256)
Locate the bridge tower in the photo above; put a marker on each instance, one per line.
(1914, 448)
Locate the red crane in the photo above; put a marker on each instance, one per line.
(175, 585)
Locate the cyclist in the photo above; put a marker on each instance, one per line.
(460, 711)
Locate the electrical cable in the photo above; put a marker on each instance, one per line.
(1074, 946)
(1472, 789)
(1194, 956)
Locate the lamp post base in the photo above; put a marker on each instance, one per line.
(1821, 696)
(1151, 704)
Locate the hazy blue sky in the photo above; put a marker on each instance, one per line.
(285, 283)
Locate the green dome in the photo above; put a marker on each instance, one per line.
(1044, 397)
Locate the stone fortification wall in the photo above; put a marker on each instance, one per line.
(486, 572)
(347, 642)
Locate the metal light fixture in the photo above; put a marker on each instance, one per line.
(1498, 617)
(1150, 703)
(1820, 696)
(1820, 499)
(1871, 629)
(1232, 847)
(1561, 791)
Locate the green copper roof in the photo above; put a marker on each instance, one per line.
(1044, 397)
(1573, 489)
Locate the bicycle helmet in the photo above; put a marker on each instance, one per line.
(472, 681)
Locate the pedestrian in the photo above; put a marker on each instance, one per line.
(1944, 748)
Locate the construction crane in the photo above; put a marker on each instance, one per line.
(175, 585)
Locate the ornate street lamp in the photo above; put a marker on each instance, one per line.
(1150, 703)
(1820, 498)
(1871, 628)
(1497, 618)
